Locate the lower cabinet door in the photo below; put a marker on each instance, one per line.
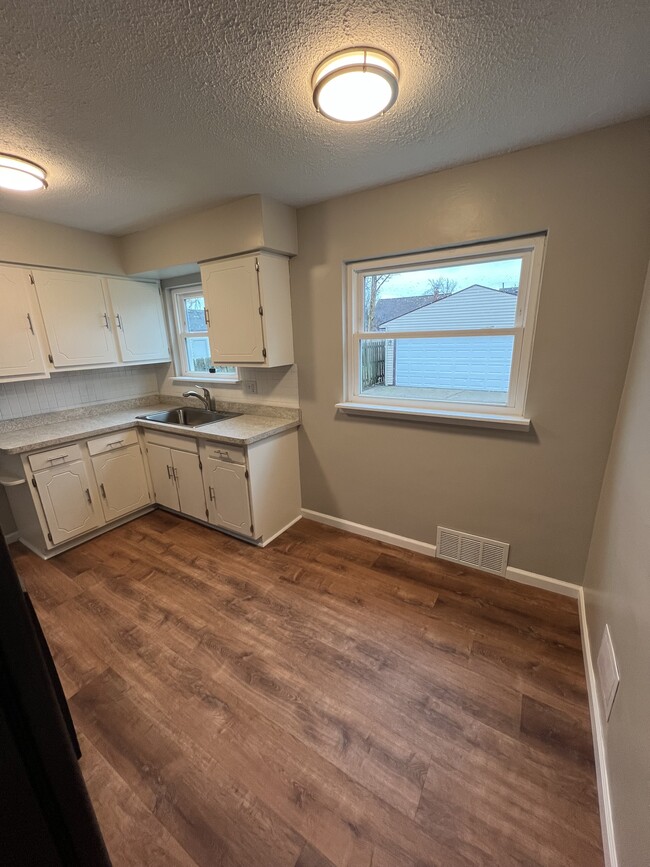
(229, 502)
(122, 481)
(67, 502)
(189, 482)
(162, 476)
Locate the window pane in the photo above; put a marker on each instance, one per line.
(473, 295)
(195, 313)
(449, 369)
(198, 354)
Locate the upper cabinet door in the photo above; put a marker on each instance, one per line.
(139, 321)
(76, 318)
(21, 354)
(233, 310)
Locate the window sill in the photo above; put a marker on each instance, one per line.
(439, 416)
(207, 379)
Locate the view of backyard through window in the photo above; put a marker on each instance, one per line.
(436, 305)
(193, 336)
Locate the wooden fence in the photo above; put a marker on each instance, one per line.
(373, 364)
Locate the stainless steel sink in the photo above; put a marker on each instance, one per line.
(188, 416)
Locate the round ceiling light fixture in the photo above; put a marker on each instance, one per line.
(22, 175)
(355, 84)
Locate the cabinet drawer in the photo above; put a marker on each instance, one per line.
(171, 441)
(53, 457)
(225, 452)
(117, 440)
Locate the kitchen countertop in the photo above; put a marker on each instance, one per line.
(101, 419)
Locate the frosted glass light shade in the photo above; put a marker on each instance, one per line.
(21, 175)
(355, 85)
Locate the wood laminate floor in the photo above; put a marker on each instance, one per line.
(328, 700)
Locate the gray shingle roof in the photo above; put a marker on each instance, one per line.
(392, 308)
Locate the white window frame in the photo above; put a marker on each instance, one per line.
(512, 414)
(180, 331)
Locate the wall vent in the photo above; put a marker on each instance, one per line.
(486, 554)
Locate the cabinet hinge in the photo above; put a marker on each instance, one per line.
(261, 311)
(252, 530)
(246, 474)
(31, 280)
(50, 357)
(264, 353)
(49, 536)
(33, 482)
(200, 465)
(257, 265)
(207, 514)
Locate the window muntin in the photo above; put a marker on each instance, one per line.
(193, 341)
(457, 328)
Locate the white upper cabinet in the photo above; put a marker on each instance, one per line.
(21, 353)
(139, 321)
(248, 310)
(77, 318)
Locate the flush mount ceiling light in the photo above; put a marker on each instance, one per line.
(355, 84)
(21, 175)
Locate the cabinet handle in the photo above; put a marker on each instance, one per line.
(119, 321)
(169, 472)
(88, 497)
(57, 458)
(175, 473)
(207, 316)
(114, 443)
(106, 322)
(211, 492)
(29, 319)
(102, 489)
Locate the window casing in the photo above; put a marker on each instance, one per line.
(192, 338)
(465, 352)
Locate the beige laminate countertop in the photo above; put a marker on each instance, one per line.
(245, 429)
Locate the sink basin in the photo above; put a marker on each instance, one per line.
(188, 416)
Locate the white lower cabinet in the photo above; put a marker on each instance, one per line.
(226, 484)
(67, 501)
(122, 481)
(176, 474)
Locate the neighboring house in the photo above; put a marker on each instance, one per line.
(476, 363)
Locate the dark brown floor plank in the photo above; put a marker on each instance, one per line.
(328, 700)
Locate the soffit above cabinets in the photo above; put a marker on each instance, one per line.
(143, 111)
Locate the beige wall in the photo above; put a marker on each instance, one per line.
(36, 242)
(539, 490)
(617, 591)
(246, 224)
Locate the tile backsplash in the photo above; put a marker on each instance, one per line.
(75, 388)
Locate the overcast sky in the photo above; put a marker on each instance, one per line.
(492, 274)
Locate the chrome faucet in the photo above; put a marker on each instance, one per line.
(205, 398)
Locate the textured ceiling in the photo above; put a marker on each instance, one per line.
(140, 109)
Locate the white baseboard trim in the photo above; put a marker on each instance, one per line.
(521, 576)
(371, 533)
(598, 734)
(10, 538)
(280, 532)
(544, 582)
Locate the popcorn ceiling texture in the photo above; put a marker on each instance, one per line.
(147, 109)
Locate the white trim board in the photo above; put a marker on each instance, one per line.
(598, 733)
(10, 538)
(521, 576)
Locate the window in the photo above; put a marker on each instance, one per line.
(446, 334)
(193, 342)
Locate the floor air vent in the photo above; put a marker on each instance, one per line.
(472, 550)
